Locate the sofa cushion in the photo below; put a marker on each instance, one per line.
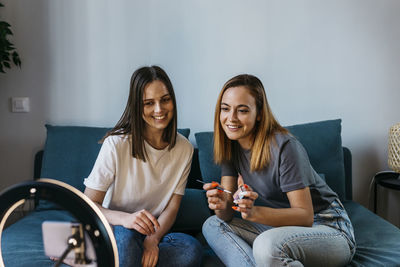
(377, 240)
(322, 141)
(70, 153)
(22, 243)
(193, 212)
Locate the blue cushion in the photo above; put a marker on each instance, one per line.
(190, 219)
(377, 240)
(209, 170)
(322, 141)
(184, 131)
(22, 243)
(70, 153)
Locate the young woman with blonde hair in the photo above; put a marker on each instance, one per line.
(297, 220)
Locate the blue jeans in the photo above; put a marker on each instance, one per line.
(176, 249)
(329, 242)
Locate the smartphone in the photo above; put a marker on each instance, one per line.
(55, 240)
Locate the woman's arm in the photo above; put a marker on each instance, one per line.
(142, 221)
(300, 213)
(166, 220)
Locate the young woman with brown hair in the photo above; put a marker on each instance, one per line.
(140, 176)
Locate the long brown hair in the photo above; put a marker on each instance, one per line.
(131, 121)
(265, 128)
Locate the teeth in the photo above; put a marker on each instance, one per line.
(159, 117)
(233, 126)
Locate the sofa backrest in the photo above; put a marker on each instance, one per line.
(70, 152)
(322, 141)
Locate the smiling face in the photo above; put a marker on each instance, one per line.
(158, 107)
(238, 115)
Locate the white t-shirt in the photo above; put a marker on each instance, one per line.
(133, 184)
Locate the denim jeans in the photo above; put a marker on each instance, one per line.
(329, 242)
(175, 249)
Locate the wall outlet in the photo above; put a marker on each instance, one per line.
(20, 104)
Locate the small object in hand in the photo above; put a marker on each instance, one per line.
(241, 194)
(215, 185)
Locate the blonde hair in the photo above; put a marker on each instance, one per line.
(265, 128)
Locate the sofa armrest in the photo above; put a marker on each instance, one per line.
(37, 167)
(347, 159)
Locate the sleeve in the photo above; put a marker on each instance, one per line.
(180, 188)
(295, 169)
(103, 172)
(228, 169)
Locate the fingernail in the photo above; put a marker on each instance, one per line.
(219, 190)
(246, 186)
(214, 184)
(235, 208)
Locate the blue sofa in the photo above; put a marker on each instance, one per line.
(70, 152)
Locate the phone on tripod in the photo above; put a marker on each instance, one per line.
(57, 236)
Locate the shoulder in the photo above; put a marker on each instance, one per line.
(116, 140)
(281, 139)
(183, 144)
(289, 145)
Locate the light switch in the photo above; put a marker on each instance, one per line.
(20, 104)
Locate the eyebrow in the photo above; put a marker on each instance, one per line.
(148, 99)
(239, 106)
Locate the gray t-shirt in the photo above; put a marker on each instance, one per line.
(288, 170)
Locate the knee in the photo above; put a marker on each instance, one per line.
(267, 248)
(194, 251)
(129, 245)
(181, 250)
(127, 238)
(211, 225)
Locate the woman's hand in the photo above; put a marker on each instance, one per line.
(217, 199)
(245, 202)
(142, 221)
(150, 252)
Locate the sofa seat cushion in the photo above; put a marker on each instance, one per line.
(377, 239)
(322, 141)
(21, 242)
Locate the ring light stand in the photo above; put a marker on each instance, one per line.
(72, 200)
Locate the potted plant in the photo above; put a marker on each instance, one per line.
(8, 53)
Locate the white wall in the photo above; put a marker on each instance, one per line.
(318, 60)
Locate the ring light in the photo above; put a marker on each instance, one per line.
(72, 200)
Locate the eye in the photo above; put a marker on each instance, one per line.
(243, 110)
(166, 99)
(148, 103)
(224, 109)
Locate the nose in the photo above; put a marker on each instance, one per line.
(157, 107)
(233, 115)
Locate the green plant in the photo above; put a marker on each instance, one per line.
(7, 49)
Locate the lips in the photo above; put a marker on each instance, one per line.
(159, 117)
(233, 128)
